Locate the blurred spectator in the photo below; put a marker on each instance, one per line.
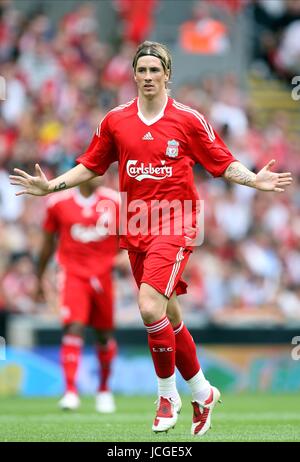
(117, 75)
(80, 22)
(277, 39)
(228, 110)
(289, 303)
(14, 105)
(288, 54)
(233, 215)
(10, 207)
(137, 18)
(19, 285)
(203, 34)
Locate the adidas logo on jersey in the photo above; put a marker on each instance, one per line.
(148, 136)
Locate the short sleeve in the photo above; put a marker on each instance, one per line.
(206, 146)
(101, 151)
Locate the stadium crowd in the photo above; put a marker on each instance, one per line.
(277, 40)
(60, 82)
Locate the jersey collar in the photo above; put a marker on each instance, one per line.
(156, 118)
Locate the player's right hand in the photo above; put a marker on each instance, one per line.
(36, 185)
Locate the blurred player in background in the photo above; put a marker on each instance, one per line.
(157, 141)
(86, 256)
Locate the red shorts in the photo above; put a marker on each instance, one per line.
(88, 301)
(161, 267)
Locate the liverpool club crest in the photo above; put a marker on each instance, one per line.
(172, 149)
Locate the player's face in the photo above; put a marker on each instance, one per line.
(150, 77)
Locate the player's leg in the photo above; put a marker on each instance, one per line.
(70, 356)
(161, 341)
(186, 354)
(102, 320)
(106, 350)
(74, 305)
(204, 397)
(157, 273)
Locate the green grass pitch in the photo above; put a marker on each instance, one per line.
(241, 417)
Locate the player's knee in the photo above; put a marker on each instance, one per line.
(174, 318)
(174, 312)
(149, 309)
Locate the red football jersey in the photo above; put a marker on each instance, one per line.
(86, 247)
(155, 161)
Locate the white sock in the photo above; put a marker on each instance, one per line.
(167, 387)
(199, 386)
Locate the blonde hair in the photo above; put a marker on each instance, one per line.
(156, 49)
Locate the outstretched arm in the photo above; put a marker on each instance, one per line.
(264, 180)
(46, 252)
(39, 185)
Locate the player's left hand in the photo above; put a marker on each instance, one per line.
(266, 180)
